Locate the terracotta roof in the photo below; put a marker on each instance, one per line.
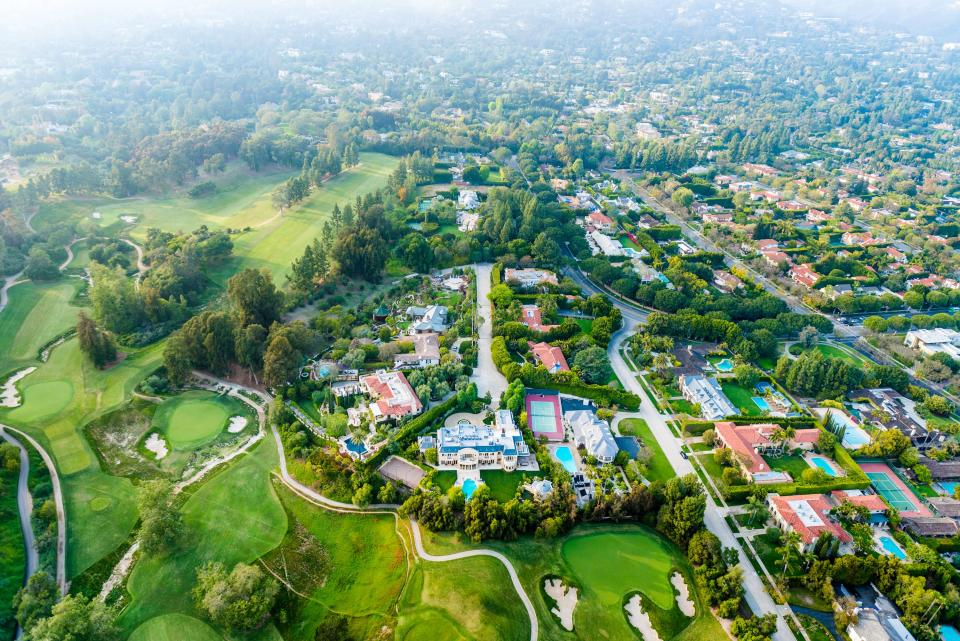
(550, 357)
(872, 502)
(394, 395)
(745, 439)
(530, 316)
(807, 515)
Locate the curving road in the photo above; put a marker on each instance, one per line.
(57, 499)
(142, 267)
(25, 505)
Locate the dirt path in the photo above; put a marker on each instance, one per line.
(58, 501)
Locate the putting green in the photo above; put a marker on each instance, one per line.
(174, 627)
(43, 399)
(194, 419)
(613, 564)
(100, 503)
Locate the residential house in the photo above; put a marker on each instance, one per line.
(530, 316)
(809, 516)
(889, 409)
(427, 319)
(719, 218)
(592, 434)
(603, 244)
(775, 258)
(725, 281)
(707, 393)
(930, 526)
(790, 205)
(529, 277)
(392, 396)
(466, 446)
(932, 341)
(426, 352)
(550, 356)
(817, 216)
(804, 275)
(750, 442)
(602, 222)
(858, 239)
(767, 244)
(468, 199)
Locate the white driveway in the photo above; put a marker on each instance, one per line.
(486, 375)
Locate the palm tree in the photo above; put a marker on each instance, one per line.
(661, 363)
(756, 509)
(790, 548)
(782, 435)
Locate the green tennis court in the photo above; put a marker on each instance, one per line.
(896, 497)
(543, 416)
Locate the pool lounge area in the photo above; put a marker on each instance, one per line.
(761, 403)
(886, 545)
(947, 488)
(725, 365)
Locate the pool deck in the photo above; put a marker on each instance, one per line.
(573, 452)
(837, 470)
(878, 544)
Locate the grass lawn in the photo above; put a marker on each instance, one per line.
(659, 468)
(710, 466)
(815, 629)
(36, 313)
(173, 627)
(741, 397)
(848, 355)
(235, 516)
(793, 465)
(682, 406)
(586, 324)
(275, 243)
(194, 418)
(59, 398)
(503, 485)
(12, 556)
(701, 447)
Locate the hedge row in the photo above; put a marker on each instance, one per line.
(798, 422)
(789, 489)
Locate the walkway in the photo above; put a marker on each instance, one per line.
(142, 267)
(25, 506)
(486, 375)
(58, 502)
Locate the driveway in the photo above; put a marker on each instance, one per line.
(485, 375)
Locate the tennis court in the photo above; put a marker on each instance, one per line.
(893, 490)
(543, 416)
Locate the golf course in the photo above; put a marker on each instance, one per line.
(195, 418)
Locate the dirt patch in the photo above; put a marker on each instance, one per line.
(565, 598)
(683, 598)
(640, 619)
(301, 560)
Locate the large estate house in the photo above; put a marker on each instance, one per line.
(592, 434)
(750, 442)
(466, 446)
(392, 397)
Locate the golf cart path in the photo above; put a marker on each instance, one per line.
(9, 282)
(339, 506)
(25, 506)
(69, 248)
(142, 267)
(57, 499)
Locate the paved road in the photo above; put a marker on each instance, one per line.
(25, 505)
(58, 502)
(486, 375)
(631, 312)
(754, 590)
(142, 267)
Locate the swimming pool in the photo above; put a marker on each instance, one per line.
(824, 465)
(726, 365)
(565, 456)
(949, 633)
(949, 487)
(469, 487)
(891, 547)
(761, 403)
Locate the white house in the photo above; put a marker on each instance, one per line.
(466, 446)
(931, 341)
(592, 434)
(468, 199)
(426, 352)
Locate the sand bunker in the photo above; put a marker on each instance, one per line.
(640, 619)
(157, 445)
(566, 599)
(9, 396)
(237, 423)
(96, 215)
(128, 219)
(683, 599)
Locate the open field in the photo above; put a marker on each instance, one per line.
(659, 468)
(606, 564)
(173, 627)
(35, 314)
(234, 517)
(741, 397)
(193, 419)
(280, 239)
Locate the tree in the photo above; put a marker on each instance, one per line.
(809, 336)
(36, 599)
(161, 527)
(592, 365)
(280, 362)
(757, 510)
(747, 375)
(40, 266)
(682, 197)
(177, 360)
(76, 618)
(755, 628)
(239, 601)
(251, 344)
(254, 297)
(361, 252)
(116, 304)
(938, 405)
(416, 253)
(98, 345)
(789, 548)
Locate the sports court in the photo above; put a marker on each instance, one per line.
(893, 490)
(543, 416)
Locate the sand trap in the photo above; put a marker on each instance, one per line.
(237, 423)
(96, 215)
(566, 599)
(9, 396)
(640, 619)
(683, 599)
(128, 219)
(157, 445)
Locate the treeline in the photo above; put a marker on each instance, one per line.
(817, 376)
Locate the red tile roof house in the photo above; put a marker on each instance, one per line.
(767, 244)
(775, 258)
(818, 216)
(791, 205)
(530, 316)
(550, 357)
(804, 275)
(601, 222)
(807, 515)
(872, 502)
(393, 397)
(719, 218)
(749, 442)
(896, 254)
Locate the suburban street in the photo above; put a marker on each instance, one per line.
(754, 590)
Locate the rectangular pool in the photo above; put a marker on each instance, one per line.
(949, 633)
(824, 465)
(948, 487)
(761, 403)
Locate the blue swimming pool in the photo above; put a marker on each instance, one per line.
(891, 547)
(565, 456)
(949, 633)
(726, 365)
(948, 487)
(761, 403)
(824, 465)
(469, 487)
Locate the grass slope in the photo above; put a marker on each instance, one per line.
(35, 314)
(174, 627)
(659, 468)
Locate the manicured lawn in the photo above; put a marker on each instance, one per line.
(35, 314)
(12, 557)
(173, 627)
(503, 485)
(700, 447)
(659, 468)
(235, 516)
(793, 465)
(683, 406)
(741, 397)
(586, 324)
(275, 243)
(848, 355)
(194, 418)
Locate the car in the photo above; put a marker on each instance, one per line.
(683, 454)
